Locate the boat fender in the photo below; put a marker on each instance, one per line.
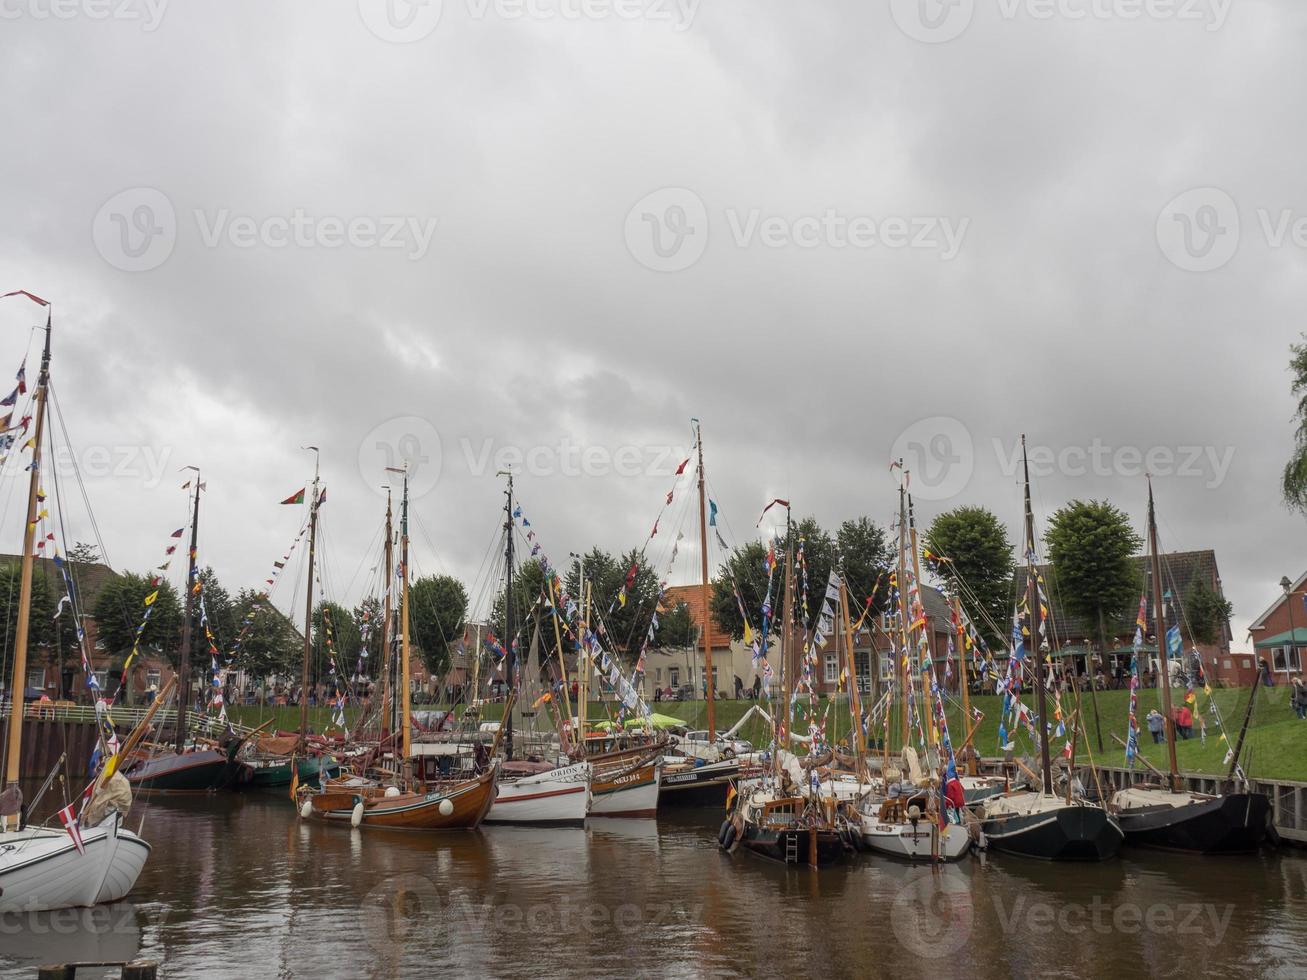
(356, 815)
(729, 841)
(306, 809)
(392, 792)
(446, 807)
(721, 831)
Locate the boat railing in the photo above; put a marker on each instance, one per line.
(122, 715)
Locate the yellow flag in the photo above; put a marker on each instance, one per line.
(294, 777)
(149, 599)
(748, 634)
(730, 795)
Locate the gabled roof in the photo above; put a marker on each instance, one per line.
(1260, 622)
(88, 577)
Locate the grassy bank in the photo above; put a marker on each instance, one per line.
(1276, 747)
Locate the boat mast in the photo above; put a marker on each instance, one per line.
(19, 684)
(386, 690)
(184, 668)
(855, 696)
(406, 689)
(960, 648)
(706, 631)
(308, 605)
(902, 656)
(1164, 676)
(510, 657)
(926, 665)
(1032, 599)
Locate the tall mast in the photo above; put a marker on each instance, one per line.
(851, 665)
(1032, 597)
(308, 603)
(510, 655)
(1164, 677)
(19, 684)
(960, 648)
(184, 696)
(926, 665)
(386, 690)
(901, 668)
(787, 626)
(706, 631)
(406, 686)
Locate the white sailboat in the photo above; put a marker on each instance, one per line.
(44, 868)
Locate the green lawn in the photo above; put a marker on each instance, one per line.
(1276, 747)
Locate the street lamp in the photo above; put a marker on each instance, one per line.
(1293, 633)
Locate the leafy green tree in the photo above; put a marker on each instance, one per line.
(677, 628)
(120, 608)
(866, 557)
(744, 567)
(971, 544)
(83, 553)
(344, 636)
(1090, 545)
(1206, 612)
(41, 625)
(437, 608)
(222, 613)
(528, 585)
(1293, 481)
(269, 644)
(368, 615)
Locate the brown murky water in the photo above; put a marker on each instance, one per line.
(237, 887)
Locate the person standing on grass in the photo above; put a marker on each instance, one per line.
(1156, 724)
(1298, 697)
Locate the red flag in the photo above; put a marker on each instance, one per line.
(24, 292)
(681, 469)
(295, 498)
(69, 820)
(178, 533)
(783, 503)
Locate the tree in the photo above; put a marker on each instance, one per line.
(676, 628)
(866, 557)
(221, 612)
(969, 546)
(41, 625)
(83, 553)
(1206, 612)
(120, 610)
(1090, 546)
(269, 644)
(368, 615)
(437, 606)
(528, 584)
(343, 633)
(1293, 481)
(627, 623)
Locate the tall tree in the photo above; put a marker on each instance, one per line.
(269, 644)
(676, 628)
(1293, 481)
(221, 611)
(1206, 612)
(1090, 545)
(437, 607)
(970, 544)
(120, 608)
(344, 636)
(87, 554)
(744, 567)
(866, 557)
(368, 615)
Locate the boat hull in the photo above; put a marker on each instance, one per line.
(1073, 832)
(560, 797)
(41, 868)
(276, 775)
(794, 845)
(705, 785)
(1234, 824)
(922, 841)
(461, 806)
(627, 792)
(201, 771)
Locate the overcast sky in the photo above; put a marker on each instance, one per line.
(835, 232)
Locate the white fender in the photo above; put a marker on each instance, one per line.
(446, 807)
(306, 809)
(356, 817)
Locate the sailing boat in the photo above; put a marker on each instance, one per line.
(1038, 823)
(1164, 816)
(905, 822)
(780, 818)
(409, 801)
(201, 766)
(96, 859)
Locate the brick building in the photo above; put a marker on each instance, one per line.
(1279, 634)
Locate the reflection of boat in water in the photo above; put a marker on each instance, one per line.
(104, 934)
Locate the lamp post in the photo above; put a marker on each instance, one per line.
(1293, 633)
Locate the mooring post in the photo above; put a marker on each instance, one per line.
(140, 970)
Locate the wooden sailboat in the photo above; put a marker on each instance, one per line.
(781, 818)
(45, 868)
(409, 800)
(1039, 823)
(1168, 818)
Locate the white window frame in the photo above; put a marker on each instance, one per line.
(674, 677)
(39, 673)
(1286, 659)
(101, 678)
(832, 668)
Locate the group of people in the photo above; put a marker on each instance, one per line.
(1298, 697)
(1182, 717)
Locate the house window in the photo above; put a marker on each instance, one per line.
(832, 668)
(1286, 658)
(101, 678)
(658, 676)
(152, 677)
(886, 667)
(1227, 663)
(714, 678)
(36, 678)
(674, 676)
